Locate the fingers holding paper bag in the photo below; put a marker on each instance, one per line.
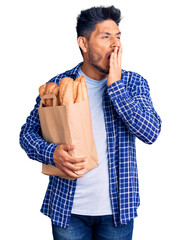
(67, 163)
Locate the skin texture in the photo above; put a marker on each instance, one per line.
(102, 58)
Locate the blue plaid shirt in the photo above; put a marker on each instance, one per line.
(129, 113)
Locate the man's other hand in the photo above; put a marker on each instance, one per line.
(67, 163)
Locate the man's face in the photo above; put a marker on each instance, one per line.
(102, 42)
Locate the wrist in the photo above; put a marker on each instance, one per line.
(113, 78)
(111, 81)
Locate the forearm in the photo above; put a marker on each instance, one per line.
(32, 142)
(137, 112)
(35, 147)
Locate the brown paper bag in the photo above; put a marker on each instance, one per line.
(69, 124)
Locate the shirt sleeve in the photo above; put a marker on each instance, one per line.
(31, 139)
(136, 109)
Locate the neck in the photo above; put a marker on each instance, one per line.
(91, 72)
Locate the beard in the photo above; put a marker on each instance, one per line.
(94, 58)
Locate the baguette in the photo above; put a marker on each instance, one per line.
(76, 86)
(42, 92)
(66, 92)
(56, 93)
(82, 93)
(48, 88)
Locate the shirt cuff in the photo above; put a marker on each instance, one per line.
(48, 155)
(117, 90)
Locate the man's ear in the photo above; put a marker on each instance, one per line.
(82, 42)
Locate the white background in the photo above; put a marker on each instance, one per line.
(38, 41)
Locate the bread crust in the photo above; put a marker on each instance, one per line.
(48, 88)
(70, 91)
(42, 91)
(82, 93)
(66, 93)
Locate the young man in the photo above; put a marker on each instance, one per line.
(101, 204)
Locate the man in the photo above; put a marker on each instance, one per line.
(102, 203)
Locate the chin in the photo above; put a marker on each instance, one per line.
(101, 69)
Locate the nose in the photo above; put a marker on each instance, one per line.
(115, 42)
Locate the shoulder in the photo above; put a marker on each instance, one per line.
(69, 73)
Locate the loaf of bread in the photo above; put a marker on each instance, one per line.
(82, 93)
(49, 88)
(66, 92)
(70, 91)
(56, 93)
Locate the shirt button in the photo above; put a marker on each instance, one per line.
(70, 192)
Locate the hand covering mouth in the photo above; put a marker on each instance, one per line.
(109, 55)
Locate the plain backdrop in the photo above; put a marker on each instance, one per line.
(38, 41)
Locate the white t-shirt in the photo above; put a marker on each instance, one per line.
(92, 195)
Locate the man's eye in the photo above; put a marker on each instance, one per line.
(105, 36)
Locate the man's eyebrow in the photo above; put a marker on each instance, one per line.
(108, 33)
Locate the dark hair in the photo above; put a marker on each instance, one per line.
(87, 20)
